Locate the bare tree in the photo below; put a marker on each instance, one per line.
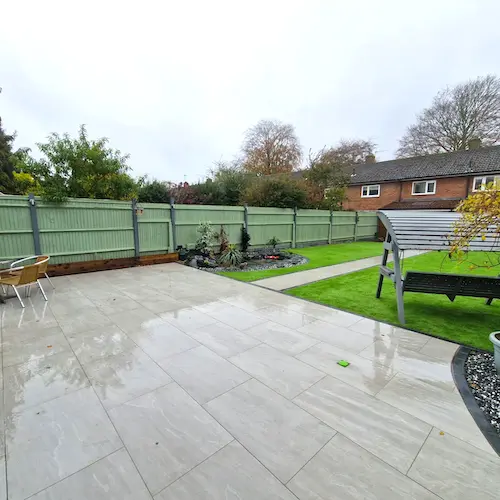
(458, 114)
(271, 147)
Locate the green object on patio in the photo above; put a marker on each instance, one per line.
(343, 363)
(467, 320)
(319, 256)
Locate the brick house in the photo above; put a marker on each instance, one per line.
(436, 181)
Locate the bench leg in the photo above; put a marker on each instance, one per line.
(489, 301)
(399, 287)
(381, 277)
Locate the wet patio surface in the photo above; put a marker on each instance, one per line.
(170, 383)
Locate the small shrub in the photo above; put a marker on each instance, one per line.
(273, 242)
(223, 240)
(206, 238)
(231, 256)
(245, 239)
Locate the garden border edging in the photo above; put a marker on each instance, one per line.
(458, 372)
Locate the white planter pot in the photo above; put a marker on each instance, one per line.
(495, 340)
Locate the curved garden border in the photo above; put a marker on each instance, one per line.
(458, 371)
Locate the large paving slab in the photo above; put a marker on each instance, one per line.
(173, 383)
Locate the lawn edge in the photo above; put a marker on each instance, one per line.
(403, 327)
(458, 372)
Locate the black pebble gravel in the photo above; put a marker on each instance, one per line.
(484, 383)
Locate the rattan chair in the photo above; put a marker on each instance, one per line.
(21, 277)
(42, 260)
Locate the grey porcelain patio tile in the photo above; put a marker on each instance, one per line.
(48, 442)
(277, 432)
(285, 316)
(161, 340)
(2, 432)
(230, 473)
(234, 316)
(135, 320)
(188, 319)
(120, 378)
(116, 303)
(167, 433)
(99, 343)
(223, 339)
(111, 478)
(453, 469)
(343, 470)
(390, 434)
(411, 362)
(18, 321)
(281, 337)
(40, 380)
(248, 302)
(440, 349)
(397, 336)
(437, 406)
(336, 335)
(328, 314)
(46, 346)
(163, 303)
(203, 374)
(281, 372)
(83, 320)
(365, 374)
(69, 304)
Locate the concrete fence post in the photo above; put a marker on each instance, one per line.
(172, 222)
(356, 220)
(330, 228)
(34, 224)
(135, 225)
(294, 228)
(245, 217)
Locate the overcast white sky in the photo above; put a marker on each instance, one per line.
(176, 84)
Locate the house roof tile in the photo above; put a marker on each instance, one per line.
(458, 163)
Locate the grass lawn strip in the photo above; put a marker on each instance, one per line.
(319, 256)
(467, 320)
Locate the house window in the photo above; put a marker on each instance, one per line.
(480, 183)
(370, 191)
(424, 187)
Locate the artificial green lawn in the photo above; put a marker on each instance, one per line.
(319, 256)
(466, 320)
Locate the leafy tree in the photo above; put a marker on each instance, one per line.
(280, 191)
(229, 182)
(328, 174)
(457, 114)
(480, 211)
(6, 161)
(271, 147)
(80, 168)
(153, 191)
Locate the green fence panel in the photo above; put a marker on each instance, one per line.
(313, 226)
(188, 218)
(155, 231)
(343, 226)
(264, 223)
(81, 230)
(16, 235)
(367, 225)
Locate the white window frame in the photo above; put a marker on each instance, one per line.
(496, 181)
(368, 187)
(426, 187)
